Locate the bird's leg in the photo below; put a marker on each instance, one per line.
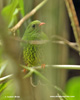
(24, 70)
(43, 66)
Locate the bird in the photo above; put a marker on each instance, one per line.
(33, 53)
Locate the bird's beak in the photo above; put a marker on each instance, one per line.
(42, 23)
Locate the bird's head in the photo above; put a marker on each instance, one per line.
(33, 31)
(35, 26)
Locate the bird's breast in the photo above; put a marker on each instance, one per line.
(33, 54)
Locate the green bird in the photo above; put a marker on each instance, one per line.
(33, 54)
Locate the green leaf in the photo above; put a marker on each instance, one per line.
(3, 65)
(8, 91)
(21, 5)
(16, 11)
(8, 11)
(14, 17)
(32, 70)
(73, 88)
(3, 86)
(5, 77)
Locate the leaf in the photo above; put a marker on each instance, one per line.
(5, 77)
(16, 11)
(8, 92)
(3, 86)
(73, 88)
(43, 77)
(21, 5)
(2, 67)
(8, 11)
(14, 17)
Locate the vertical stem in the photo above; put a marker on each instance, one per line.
(74, 20)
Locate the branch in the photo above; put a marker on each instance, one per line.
(29, 41)
(13, 29)
(72, 67)
(74, 20)
(64, 41)
(70, 44)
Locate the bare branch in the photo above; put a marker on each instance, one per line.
(29, 41)
(70, 44)
(74, 20)
(75, 67)
(64, 41)
(60, 41)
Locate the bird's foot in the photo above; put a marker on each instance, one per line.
(43, 66)
(25, 70)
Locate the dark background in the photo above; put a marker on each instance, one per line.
(74, 54)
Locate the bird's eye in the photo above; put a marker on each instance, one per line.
(33, 25)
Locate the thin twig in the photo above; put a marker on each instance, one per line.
(70, 44)
(74, 20)
(29, 41)
(62, 42)
(13, 29)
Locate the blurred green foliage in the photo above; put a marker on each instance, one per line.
(10, 11)
(7, 90)
(3, 65)
(73, 88)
